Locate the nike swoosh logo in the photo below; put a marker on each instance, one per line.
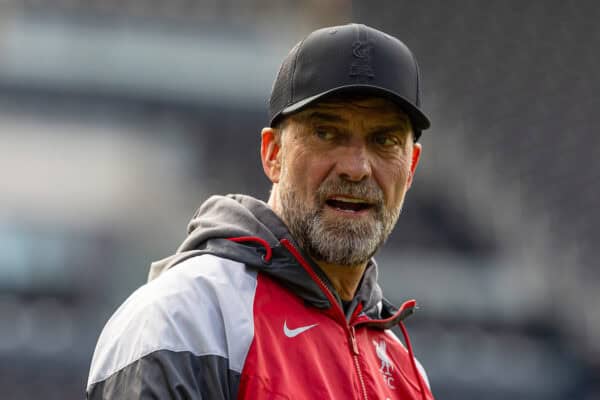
(295, 332)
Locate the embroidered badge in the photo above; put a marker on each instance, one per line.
(386, 365)
(361, 68)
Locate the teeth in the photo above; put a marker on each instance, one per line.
(347, 199)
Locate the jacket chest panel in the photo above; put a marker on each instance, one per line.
(299, 352)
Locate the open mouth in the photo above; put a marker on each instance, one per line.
(348, 204)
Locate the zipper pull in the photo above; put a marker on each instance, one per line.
(353, 341)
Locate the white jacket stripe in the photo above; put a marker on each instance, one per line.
(192, 307)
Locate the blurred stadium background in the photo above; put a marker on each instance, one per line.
(118, 118)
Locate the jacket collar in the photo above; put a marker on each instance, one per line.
(222, 218)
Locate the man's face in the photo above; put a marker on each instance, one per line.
(344, 170)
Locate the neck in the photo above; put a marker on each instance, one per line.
(344, 278)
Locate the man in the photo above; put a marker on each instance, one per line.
(280, 300)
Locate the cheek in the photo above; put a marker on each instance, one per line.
(393, 179)
(293, 180)
(309, 170)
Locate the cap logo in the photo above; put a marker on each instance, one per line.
(361, 68)
(361, 49)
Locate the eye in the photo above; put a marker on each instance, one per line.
(386, 139)
(325, 133)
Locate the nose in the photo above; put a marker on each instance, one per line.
(353, 163)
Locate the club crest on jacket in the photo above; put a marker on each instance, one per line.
(386, 365)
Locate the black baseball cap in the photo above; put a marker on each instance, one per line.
(349, 58)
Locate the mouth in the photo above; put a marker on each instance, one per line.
(349, 204)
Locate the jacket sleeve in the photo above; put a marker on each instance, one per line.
(184, 335)
(166, 374)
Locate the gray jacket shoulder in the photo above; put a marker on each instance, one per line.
(176, 330)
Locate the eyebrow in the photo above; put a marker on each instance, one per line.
(326, 117)
(403, 127)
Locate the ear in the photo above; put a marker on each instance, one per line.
(416, 155)
(269, 154)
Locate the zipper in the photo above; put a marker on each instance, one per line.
(353, 341)
(334, 303)
(349, 328)
(357, 365)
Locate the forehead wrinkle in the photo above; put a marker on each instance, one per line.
(399, 124)
(385, 108)
(387, 117)
(400, 127)
(325, 116)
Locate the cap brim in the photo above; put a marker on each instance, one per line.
(418, 119)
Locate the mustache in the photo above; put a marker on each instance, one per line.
(366, 190)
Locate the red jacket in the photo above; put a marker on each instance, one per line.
(240, 312)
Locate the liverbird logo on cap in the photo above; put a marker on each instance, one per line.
(361, 68)
(361, 49)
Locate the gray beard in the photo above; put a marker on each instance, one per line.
(344, 241)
